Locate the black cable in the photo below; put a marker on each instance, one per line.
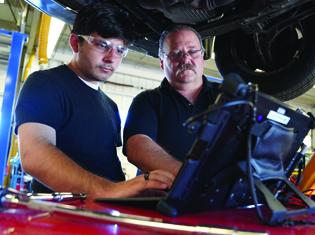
(251, 179)
(217, 107)
(250, 176)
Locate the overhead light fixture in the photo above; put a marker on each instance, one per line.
(1, 1)
(55, 30)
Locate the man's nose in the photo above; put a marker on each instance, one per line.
(109, 55)
(186, 58)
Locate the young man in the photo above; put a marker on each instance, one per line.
(67, 128)
(154, 136)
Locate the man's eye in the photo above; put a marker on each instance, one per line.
(192, 51)
(120, 50)
(103, 45)
(177, 53)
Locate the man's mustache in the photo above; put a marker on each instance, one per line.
(184, 67)
(107, 66)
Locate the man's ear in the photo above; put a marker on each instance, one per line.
(74, 42)
(161, 64)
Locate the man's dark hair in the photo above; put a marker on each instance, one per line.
(104, 19)
(173, 29)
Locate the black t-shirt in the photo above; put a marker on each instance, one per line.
(161, 112)
(86, 121)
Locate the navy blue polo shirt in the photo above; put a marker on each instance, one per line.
(161, 112)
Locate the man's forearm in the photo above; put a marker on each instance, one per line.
(56, 170)
(41, 159)
(148, 155)
(70, 177)
(48, 164)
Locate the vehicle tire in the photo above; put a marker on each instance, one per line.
(280, 61)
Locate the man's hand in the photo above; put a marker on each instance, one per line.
(140, 185)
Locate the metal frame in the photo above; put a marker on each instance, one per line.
(54, 8)
(11, 80)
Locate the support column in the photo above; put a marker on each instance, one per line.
(11, 80)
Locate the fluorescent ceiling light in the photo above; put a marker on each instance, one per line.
(55, 30)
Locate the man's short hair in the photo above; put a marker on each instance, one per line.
(173, 29)
(104, 19)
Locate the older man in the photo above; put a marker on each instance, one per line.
(154, 136)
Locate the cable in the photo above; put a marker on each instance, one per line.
(217, 107)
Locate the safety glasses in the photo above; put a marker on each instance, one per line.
(105, 46)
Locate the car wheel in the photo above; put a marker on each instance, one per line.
(281, 60)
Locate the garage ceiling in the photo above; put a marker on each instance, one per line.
(16, 15)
